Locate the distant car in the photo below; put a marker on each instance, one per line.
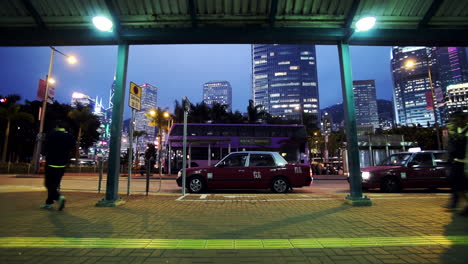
(248, 170)
(425, 169)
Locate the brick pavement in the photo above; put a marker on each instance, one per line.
(238, 216)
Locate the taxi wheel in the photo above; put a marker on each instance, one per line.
(280, 185)
(390, 184)
(196, 185)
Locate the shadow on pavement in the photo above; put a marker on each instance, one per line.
(277, 225)
(456, 253)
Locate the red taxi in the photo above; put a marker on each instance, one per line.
(248, 170)
(425, 169)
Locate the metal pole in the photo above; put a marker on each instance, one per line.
(148, 171)
(355, 197)
(434, 104)
(209, 155)
(371, 155)
(130, 152)
(190, 155)
(101, 169)
(169, 163)
(184, 153)
(40, 136)
(112, 188)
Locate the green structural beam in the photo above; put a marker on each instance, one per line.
(355, 196)
(112, 189)
(238, 244)
(234, 35)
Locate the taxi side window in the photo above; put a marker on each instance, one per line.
(422, 159)
(261, 160)
(235, 161)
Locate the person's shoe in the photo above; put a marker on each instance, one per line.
(46, 206)
(61, 203)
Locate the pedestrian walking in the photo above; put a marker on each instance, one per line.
(457, 128)
(57, 147)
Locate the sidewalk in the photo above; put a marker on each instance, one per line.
(232, 228)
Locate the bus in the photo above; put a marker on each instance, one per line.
(208, 143)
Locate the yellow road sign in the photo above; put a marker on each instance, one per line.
(135, 89)
(134, 100)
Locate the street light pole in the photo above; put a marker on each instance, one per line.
(434, 104)
(40, 137)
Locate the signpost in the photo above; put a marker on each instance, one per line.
(186, 106)
(135, 103)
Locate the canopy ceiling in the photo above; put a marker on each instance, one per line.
(399, 22)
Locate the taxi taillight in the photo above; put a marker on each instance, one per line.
(310, 172)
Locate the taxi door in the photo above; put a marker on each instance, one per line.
(421, 171)
(230, 173)
(261, 169)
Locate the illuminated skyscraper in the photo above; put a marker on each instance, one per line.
(456, 98)
(284, 80)
(149, 98)
(83, 99)
(366, 103)
(412, 93)
(218, 92)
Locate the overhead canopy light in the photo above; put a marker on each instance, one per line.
(102, 23)
(365, 23)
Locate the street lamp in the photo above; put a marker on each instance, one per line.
(410, 64)
(49, 80)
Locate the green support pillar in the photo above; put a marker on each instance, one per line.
(113, 167)
(355, 197)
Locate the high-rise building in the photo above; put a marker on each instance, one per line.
(452, 65)
(284, 80)
(218, 92)
(412, 90)
(456, 98)
(366, 103)
(149, 98)
(83, 99)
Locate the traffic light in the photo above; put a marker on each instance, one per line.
(3, 100)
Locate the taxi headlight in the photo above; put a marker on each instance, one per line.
(366, 175)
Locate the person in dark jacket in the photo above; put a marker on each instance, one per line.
(457, 128)
(57, 147)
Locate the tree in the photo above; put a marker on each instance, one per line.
(87, 124)
(254, 112)
(158, 120)
(9, 114)
(219, 113)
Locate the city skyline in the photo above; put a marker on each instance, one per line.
(177, 69)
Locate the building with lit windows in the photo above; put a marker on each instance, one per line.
(366, 103)
(83, 99)
(149, 98)
(456, 98)
(452, 65)
(218, 92)
(412, 91)
(284, 80)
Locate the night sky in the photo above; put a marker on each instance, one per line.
(177, 70)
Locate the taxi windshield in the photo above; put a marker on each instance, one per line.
(396, 160)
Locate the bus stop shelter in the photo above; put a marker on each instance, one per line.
(326, 22)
